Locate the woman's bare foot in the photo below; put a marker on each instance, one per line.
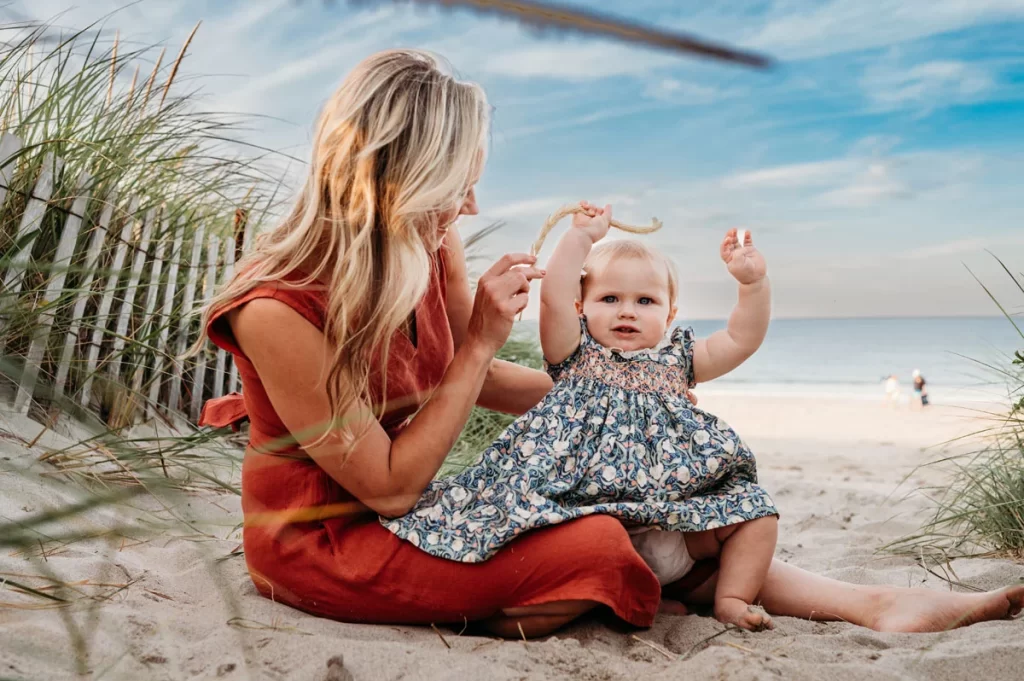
(928, 610)
(743, 615)
(670, 607)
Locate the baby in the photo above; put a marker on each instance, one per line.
(618, 434)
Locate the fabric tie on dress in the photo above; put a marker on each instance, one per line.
(220, 412)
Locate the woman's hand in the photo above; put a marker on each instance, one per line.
(744, 262)
(501, 294)
(593, 221)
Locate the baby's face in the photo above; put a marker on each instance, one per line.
(627, 304)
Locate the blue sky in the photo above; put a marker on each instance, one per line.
(883, 154)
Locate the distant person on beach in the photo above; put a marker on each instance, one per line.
(920, 392)
(892, 390)
(355, 313)
(618, 435)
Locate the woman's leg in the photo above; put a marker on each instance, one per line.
(791, 591)
(537, 620)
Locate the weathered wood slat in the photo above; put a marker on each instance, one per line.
(31, 221)
(92, 254)
(199, 379)
(10, 145)
(188, 300)
(247, 237)
(106, 302)
(128, 304)
(165, 320)
(47, 315)
(28, 232)
(229, 270)
(146, 328)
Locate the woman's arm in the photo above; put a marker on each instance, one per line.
(723, 351)
(513, 388)
(291, 356)
(508, 387)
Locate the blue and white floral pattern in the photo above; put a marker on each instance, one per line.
(616, 435)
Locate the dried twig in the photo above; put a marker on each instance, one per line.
(440, 636)
(653, 646)
(572, 208)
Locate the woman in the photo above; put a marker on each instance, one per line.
(356, 313)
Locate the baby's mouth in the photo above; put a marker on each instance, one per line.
(625, 330)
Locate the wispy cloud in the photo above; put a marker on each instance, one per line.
(927, 86)
(576, 61)
(577, 121)
(800, 30)
(874, 185)
(686, 92)
(796, 175)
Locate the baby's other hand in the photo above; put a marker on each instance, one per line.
(593, 221)
(744, 262)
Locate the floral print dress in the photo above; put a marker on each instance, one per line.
(616, 435)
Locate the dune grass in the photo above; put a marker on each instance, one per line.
(980, 511)
(134, 140)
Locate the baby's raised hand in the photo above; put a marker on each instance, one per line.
(744, 262)
(593, 221)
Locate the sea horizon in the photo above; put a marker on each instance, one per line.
(959, 356)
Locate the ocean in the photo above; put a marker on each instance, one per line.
(851, 357)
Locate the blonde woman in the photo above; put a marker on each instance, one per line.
(354, 314)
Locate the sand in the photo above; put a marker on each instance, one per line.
(166, 608)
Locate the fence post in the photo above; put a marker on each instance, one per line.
(106, 302)
(199, 379)
(59, 272)
(92, 256)
(128, 304)
(185, 320)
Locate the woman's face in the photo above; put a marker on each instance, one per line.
(466, 205)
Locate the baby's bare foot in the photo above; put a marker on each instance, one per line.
(742, 614)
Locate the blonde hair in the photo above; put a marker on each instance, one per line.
(608, 252)
(397, 145)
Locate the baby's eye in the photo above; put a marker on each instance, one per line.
(646, 301)
(608, 299)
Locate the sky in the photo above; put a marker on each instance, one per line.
(878, 166)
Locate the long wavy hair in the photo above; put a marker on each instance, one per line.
(397, 146)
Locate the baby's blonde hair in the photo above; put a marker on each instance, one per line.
(608, 252)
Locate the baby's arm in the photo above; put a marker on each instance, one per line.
(723, 351)
(559, 320)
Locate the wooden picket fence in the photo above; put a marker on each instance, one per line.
(137, 274)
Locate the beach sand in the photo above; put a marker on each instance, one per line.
(160, 605)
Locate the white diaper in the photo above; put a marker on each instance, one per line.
(664, 552)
